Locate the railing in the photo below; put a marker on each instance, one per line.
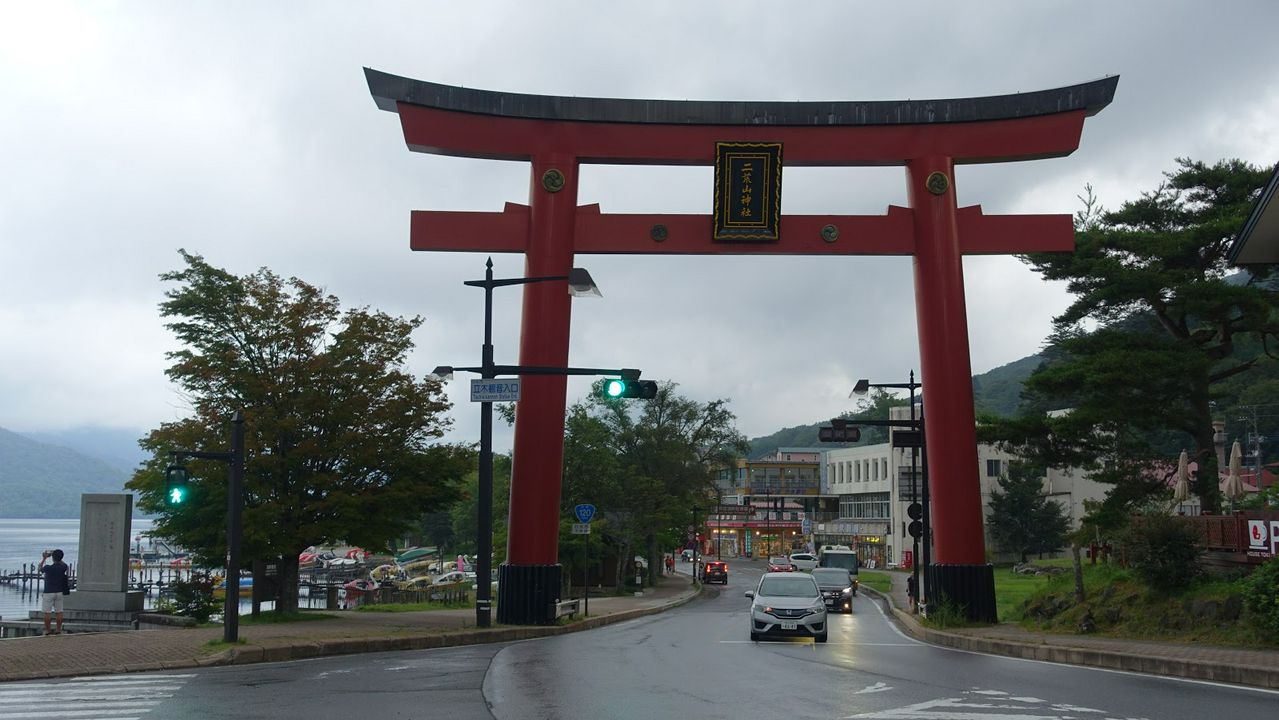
(1221, 532)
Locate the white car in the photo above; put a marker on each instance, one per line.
(788, 605)
(803, 561)
(455, 576)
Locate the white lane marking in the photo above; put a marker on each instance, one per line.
(1027, 699)
(84, 694)
(116, 697)
(877, 687)
(398, 667)
(966, 708)
(56, 714)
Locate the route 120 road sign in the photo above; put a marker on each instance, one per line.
(584, 512)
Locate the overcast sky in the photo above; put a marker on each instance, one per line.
(244, 131)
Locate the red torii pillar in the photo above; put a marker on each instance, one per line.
(557, 134)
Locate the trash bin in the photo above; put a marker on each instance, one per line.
(331, 598)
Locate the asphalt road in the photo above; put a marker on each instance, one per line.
(693, 661)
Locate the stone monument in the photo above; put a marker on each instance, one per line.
(102, 574)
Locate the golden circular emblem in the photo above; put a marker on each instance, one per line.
(659, 233)
(937, 183)
(830, 233)
(553, 180)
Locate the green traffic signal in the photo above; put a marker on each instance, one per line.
(642, 389)
(176, 495)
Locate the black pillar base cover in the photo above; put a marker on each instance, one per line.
(968, 588)
(526, 594)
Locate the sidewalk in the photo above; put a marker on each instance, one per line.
(1240, 666)
(349, 632)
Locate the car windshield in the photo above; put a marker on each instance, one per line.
(832, 576)
(788, 587)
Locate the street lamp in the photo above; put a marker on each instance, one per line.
(861, 388)
(175, 477)
(580, 284)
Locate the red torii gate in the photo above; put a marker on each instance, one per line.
(558, 134)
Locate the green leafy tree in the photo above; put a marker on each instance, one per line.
(645, 464)
(339, 437)
(1022, 520)
(1152, 276)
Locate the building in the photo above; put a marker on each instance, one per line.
(768, 506)
(874, 487)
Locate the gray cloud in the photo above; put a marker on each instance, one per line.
(246, 133)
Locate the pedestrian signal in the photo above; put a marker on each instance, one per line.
(175, 485)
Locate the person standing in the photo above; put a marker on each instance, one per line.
(56, 585)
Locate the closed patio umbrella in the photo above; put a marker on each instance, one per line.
(1181, 491)
(1234, 484)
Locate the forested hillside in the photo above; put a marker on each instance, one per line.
(45, 481)
(997, 392)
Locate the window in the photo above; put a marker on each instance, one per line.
(864, 506)
(992, 468)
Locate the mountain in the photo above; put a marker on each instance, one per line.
(115, 446)
(39, 480)
(997, 392)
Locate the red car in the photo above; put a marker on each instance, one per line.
(780, 565)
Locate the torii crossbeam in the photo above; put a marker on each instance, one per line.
(559, 134)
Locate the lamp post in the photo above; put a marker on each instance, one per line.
(861, 388)
(176, 474)
(580, 284)
(696, 510)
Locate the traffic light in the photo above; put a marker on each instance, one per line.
(643, 389)
(839, 431)
(175, 485)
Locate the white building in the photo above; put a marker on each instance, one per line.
(874, 486)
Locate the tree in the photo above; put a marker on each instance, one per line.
(1153, 276)
(645, 465)
(1022, 519)
(339, 437)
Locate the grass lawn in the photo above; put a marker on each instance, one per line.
(269, 617)
(1012, 590)
(880, 581)
(413, 607)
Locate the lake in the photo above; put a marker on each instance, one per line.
(22, 541)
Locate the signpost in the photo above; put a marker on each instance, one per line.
(585, 512)
(493, 390)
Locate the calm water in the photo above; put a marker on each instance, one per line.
(22, 541)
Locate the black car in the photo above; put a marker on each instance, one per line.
(838, 587)
(715, 570)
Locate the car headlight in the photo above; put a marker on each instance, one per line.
(848, 591)
(819, 606)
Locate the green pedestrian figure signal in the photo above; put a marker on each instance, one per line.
(643, 389)
(175, 485)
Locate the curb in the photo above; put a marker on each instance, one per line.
(1087, 657)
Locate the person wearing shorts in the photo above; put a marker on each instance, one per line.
(56, 585)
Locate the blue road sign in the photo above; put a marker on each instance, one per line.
(584, 512)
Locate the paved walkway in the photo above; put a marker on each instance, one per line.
(349, 632)
(1190, 660)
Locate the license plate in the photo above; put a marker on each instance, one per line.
(789, 625)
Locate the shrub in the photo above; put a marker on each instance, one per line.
(1163, 551)
(193, 597)
(1261, 595)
